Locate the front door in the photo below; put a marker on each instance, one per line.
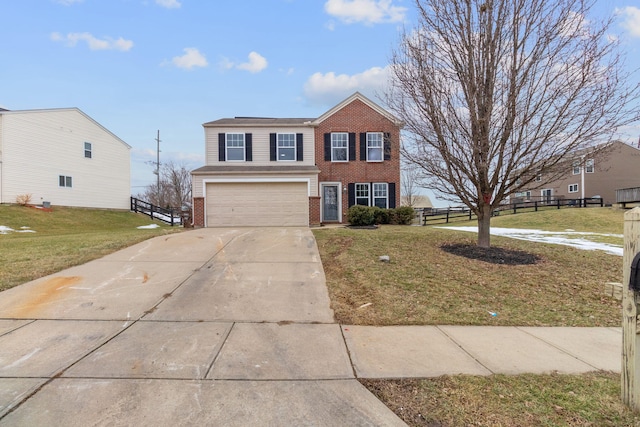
(330, 202)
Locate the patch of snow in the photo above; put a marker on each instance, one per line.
(553, 237)
(148, 227)
(5, 230)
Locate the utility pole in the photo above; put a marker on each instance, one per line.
(157, 171)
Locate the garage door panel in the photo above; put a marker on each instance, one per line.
(257, 204)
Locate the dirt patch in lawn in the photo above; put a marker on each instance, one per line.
(493, 255)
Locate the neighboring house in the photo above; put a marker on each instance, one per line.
(417, 201)
(64, 157)
(298, 171)
(588, 177)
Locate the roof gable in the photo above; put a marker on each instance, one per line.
(358, 96)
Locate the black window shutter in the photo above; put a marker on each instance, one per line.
(392, 195)
(387, 146)
(352, 194)
(248, 147)
(363, 146)
(221, 147)
(352, 146)
(327, 147)
(299, 149)
(273, 152)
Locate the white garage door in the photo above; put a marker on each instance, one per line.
(273, 204)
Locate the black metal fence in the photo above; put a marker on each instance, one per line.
(434, 216)
(170, 216)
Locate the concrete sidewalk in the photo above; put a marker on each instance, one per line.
(233, 327)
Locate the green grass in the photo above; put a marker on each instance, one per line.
(510, 401)
(425, 285)
(64, 237)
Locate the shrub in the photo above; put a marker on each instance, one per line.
(381, 216)
(404, 215)
(23, 199)
(361, 215)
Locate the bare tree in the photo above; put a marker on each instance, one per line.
(495, 92)
(410, 183)
(175, 187)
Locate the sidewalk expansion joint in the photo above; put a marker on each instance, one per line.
(464, 350)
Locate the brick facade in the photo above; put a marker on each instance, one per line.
(198, 211)
(314, 211)
(358, 117)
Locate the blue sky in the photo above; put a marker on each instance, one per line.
(137, 66)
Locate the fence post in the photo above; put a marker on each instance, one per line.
(630, 308)
(470, 214)
(447, 216)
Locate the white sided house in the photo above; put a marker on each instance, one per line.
(64, 157)
(260, 171)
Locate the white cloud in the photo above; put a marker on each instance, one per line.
(68, 2)
(631, 19)
(366, 11)
(330, 88)
(191, 58)
(169, 4)
(255, 64)
(94, 43)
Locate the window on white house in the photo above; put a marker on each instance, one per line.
(65, 181)
(362, 194)
(235, 147)
(340, 147)
(286, 146)
(381, 195)
(589, 166)
(573, 188)
(576, 167)
(87, 150)
(374, 146)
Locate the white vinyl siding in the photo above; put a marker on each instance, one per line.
(40, 145)
(260, 145)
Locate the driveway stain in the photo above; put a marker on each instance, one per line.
(45, 293)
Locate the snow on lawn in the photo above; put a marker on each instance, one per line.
(6, 230)
(148, 227)
(554, 237)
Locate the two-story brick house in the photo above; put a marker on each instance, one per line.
(298, 171)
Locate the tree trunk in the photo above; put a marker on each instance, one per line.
(484, 226)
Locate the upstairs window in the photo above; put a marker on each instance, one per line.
(65, 181)
(576, 167)
(374, 146)
(87, 150)
(340, 147)
(589, 166)
(235, 147)
(286, 146)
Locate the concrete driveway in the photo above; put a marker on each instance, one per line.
(207, 327)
